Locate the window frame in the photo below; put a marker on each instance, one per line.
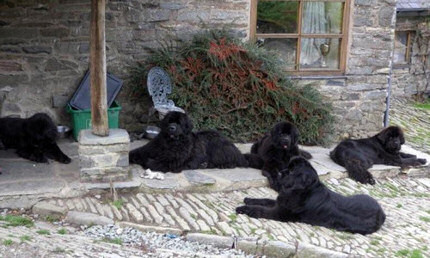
(343, 36)
(408, 53)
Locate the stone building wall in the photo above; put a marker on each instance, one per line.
(44, 53)
(359, 97)
(410, 79)
(44, 46)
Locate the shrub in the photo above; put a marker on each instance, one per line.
(236, 88)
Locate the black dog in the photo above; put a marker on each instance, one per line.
(303, 198)
(357, 156)
(177, 148)
(33, 138)
(274, 150)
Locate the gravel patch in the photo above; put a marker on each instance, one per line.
(154, 241)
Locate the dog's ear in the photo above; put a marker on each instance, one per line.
(305, 181)
(188, 124)
(383, 135)
(295, 135)
(391, 131)
(274, 130)
(401, 136)
(304, 174)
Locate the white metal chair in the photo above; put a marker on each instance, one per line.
(159, 87)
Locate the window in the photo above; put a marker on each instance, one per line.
(310, 36)
(402, 47)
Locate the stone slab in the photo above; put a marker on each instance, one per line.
(31, 187)
(235, 174)
(305, 250)
(197, 178)
(86, 218)
(46, 208)
(218, 241)
(116, 136)
(134, 184)
(279, 249)
(25, 169)
(236, 178)
(146, 228)
(171, 181)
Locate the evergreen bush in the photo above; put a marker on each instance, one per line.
(236, 88)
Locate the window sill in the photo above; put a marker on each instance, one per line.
(316, 74)
(316, 77)
(401, 66)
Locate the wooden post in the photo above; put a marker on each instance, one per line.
(99, 118)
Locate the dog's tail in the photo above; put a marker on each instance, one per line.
(254, 161)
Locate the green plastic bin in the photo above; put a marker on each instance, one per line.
(81, 119)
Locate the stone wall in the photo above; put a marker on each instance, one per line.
(44, 53)
(411, 79)
(44, 46)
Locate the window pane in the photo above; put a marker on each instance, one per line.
(319, 53)
(277, 17)
(322, 17)
(400, 47)
(285, 47)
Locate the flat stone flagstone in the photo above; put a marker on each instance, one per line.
(197, 178)
(236, 178)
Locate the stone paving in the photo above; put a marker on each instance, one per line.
(406, 203)
(414, 121)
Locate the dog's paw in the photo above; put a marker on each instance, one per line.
(203, 165)
(248, 201)
(41, 160)
(422, 161)
(247, 210)
(65, 160)
(371, 181)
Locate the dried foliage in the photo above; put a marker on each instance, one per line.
(236, 88)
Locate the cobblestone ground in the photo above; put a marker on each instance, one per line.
(406, 203)
(414, 121)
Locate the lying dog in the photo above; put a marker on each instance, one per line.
(33, 138)
(275, 150)
(303, 198)
(177, 148)
(357, 156)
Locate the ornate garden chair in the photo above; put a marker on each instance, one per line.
(159, 87)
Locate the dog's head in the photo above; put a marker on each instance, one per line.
(285, 135)
(175, 125)
(391, 139)
(41, 129)
(301, 175)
